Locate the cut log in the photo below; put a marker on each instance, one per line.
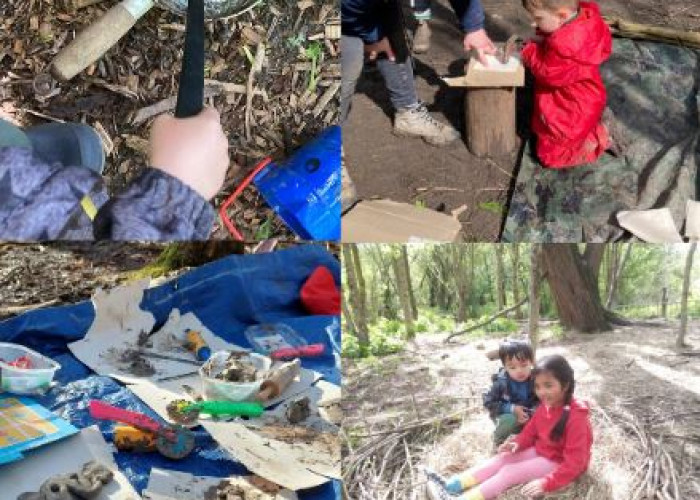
(490, 120)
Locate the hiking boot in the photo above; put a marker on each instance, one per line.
(421, 38)
(417, 122)
(619, 141)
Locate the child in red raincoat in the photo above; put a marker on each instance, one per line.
(551, 452)
(573, 40)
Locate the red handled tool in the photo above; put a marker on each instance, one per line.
(307, 351)
(172, 441)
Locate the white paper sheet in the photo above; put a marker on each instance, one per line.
(174, 485)
(652, 226)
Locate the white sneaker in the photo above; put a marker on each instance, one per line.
(434, 491)
(421, 38)
(417, 122)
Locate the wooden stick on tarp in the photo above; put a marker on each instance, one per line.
(628, 29)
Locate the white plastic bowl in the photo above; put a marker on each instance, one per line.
(35, 380)
(221, 390)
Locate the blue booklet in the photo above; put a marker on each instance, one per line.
(25, 425)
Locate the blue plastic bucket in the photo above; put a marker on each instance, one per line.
(305, 189)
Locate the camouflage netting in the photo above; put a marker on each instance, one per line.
(653, 91)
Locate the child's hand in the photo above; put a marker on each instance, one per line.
(533, 488)
(194, 150)
(520, 415)
(508, 447)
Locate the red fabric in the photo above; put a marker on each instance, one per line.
(569, 91)
(319, 294)
(572, 451)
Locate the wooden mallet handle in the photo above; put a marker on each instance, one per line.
(98, 38)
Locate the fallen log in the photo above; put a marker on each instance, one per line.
(638, 31)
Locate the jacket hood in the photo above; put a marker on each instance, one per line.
(586, 38)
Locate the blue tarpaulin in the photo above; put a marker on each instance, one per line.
(227, 295)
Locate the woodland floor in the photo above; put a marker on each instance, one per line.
(632, 377)
(451, 179)
(143, 69)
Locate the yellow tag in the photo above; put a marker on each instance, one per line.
(88, 207)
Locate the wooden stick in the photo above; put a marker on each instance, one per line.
(628, 29)
(489, 320)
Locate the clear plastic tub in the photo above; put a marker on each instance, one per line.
(269, 337)
(222, 390)
(34, 380)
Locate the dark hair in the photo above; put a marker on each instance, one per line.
(561, 370)
(518, 349)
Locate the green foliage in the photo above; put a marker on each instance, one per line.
(492, 206)
(501, 327)
(264, 230)
(382, 343)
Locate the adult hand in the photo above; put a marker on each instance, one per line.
(508, 447)
(533, 488)
(481, 42)
(520, 415)
(381, 47)
(194, 150)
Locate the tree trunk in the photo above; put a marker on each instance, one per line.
(460, 279)
(680, 341)
(490, 121)
(407, 273)
(515, 255)
(574, 289)
(534, 293)
(593, 255)
(664, 303)
(347, 314)
(613, 257)
(500, 278)
(619, 267)
(359, 312)
(403, 292)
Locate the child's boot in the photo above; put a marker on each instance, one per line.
(70, 144)
(437, 492)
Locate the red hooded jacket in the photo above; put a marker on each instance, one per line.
(572, 451)
(569, 91)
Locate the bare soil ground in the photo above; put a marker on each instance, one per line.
(40, 275)
(143, 69)
(451, 178)
(632, 377)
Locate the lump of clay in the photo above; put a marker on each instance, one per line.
(83, 485)
(299, 410)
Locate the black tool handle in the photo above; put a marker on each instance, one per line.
(190, 96)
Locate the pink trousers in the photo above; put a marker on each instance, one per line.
(504, 470)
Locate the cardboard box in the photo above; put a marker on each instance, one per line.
(386, 221)
(496, 74)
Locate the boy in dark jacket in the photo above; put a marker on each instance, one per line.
(51, 186)
(511, 399)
